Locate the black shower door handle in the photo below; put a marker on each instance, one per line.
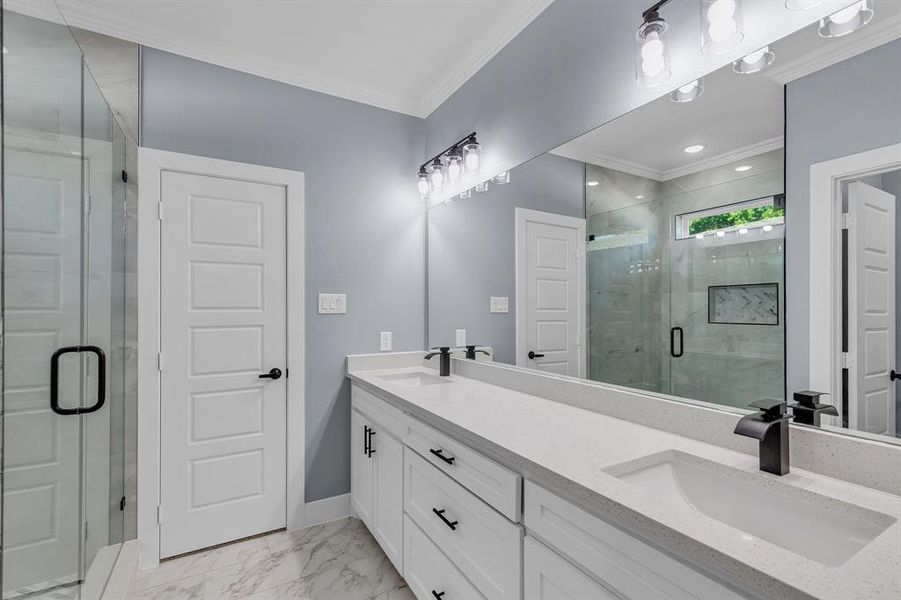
(672, 342)
(54, 380)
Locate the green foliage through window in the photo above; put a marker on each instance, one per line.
(734, 219)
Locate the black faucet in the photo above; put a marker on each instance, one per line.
(444, 352)
(471, 352)
(770, 426)
(807, 409)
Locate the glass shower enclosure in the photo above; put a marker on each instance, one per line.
(63, 316)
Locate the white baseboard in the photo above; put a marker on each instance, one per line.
(118, 586)
(327, 509)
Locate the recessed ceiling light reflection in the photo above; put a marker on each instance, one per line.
(847, 20)
(754, 62)
(743, 230)
(693, 149)
(639, 197)
(688, 92)
(743, 168)
(767, 227)
(592, 183)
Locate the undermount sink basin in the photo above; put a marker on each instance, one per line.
(415, 379)
(818, 527)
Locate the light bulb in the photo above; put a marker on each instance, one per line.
(471, 151)
(652, 54)
(755, 56)
(846, 20)
(423, 182)
(846, 14)
(454, 165)
(436, 175)
(721, 27)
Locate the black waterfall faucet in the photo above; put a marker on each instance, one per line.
(807, 409)
(770, 427)
(471, 352)
(444, 353)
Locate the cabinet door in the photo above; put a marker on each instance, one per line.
(361, 469)
(548, 576)
(388, 510)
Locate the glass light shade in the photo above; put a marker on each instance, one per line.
(688, 92)
(847, 20)
(436, 175)
(471, 151)
(501, 178)
(754, 62)
(454, 165)
(721, 25)
(422, 183)
(801, 4)
(482, 187)
(652, 66)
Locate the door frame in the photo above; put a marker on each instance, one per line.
(151, 164)
(825, 293)
(523, 216)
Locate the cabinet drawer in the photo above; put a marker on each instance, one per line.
(485, 546)
(623, 562)
(548, 576)
(428, 571)
(389, 417)
(493, 483)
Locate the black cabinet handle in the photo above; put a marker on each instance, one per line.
(438, 595)
(54, 380)
(370, 451)
(440, 454)
(366, 440)
(272, 374)
(451, 524)
(533, 356)
(672, 342)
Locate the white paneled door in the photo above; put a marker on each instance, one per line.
(550, 292)
(871, 308)
(223, 325)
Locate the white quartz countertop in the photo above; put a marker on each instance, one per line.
(567, 450)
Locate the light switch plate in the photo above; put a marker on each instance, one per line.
(385, 341)
(332, 304)
(461, 338)
(500, 304)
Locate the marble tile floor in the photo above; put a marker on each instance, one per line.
(338, 560)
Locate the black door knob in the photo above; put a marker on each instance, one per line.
(893, 375)
(533, 356)
(272, 374)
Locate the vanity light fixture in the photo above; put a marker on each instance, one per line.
(721, 25)
(847, 20)
(754, 62)
(449, 167)
(743, 168)
(801, 4)
(652, 65)
(688, 92)
(693, 149)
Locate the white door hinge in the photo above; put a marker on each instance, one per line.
(87, 203)
(847, 220)
(159, 361)
(161, 213)
(159, 515)
(845, 360)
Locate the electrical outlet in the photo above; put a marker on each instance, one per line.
(500, 304)
(385, 341)
(332, 304)
(461, 338)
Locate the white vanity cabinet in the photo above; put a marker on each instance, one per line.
(377, 467)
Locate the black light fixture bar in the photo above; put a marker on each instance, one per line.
(653, 10)
(455, 145)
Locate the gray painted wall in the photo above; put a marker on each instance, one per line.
(472, 256)
(365, 221)
(847, 108)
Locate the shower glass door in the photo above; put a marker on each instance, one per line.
(62, 317)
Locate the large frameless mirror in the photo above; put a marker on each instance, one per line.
(683, 249)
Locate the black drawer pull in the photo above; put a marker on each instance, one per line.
(371, 450)
(440, 454)
(440, 513)
(438, 595)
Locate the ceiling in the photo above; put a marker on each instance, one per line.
(403, 55)
(737, 117)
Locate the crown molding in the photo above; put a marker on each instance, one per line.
(492, 41)
(610, 162)
(875, 34)
(719, 160)
(83, 15)
(633, 168)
